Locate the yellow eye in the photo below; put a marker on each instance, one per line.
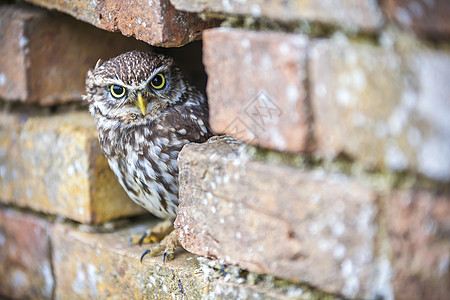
(117, 91)
(158, 81)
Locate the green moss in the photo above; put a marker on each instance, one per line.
(379, 179)
(301, 161)
(264, 24)
(313, 29)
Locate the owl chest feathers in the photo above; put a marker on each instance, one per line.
(144, 159)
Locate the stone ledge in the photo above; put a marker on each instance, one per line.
(44, 259)
(104, 265)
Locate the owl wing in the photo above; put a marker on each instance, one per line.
(191, 122)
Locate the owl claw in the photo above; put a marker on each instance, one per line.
(145, 253)
(155, 234)
(141, 240)
(167, 247)
(168, 254)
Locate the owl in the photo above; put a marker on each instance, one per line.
(145, 113)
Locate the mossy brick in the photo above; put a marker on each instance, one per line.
(363, 14)
(155, 22)
(417, 226)
(384, 108)
(45, 55)
(258, 94)
(103, 265)
(25, 256)
(427, 18)
(304, 225)
(53, 163)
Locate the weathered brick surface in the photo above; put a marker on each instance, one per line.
(382, 108)
(364, 14)
(25, 256)
(103, 266)
(425, 17)
(54, 164)
(308, 226)
(258, 93)
(98, 266)
(418, 227)
(155, 22)
(48, 54)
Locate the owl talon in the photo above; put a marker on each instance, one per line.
(167, 247)
(141, 240)
(145, 253)
(155, 234)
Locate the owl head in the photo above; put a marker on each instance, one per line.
(133, 87)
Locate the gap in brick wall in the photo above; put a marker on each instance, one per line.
(105, 227)
(189, 59)
(37, 110)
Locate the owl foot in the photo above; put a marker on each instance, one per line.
(155, 234)
(168, 245)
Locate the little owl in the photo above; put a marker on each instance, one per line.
(146, 112)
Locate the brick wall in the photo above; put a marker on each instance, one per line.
(333, 181)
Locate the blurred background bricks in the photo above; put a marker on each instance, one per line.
(428, 18)
(48, 54)
(155, 22)
(418, 225)
(25, 256)
(358, 111)
(363, 14)
(53, 163)
(258, 94)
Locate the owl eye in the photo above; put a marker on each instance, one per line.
(117, 91)
(158, 81)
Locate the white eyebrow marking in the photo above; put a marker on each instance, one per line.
(110, 81)
(153, 74)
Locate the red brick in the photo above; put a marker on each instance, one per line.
(307, 226)
(382, 108)
(25, 256)
(256, 87)
(156, 22)
(363, 14)
(48, 54)
(424, 17)
(418, 226)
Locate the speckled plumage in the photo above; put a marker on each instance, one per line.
(142, 150)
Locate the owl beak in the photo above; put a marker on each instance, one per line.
(141, 103)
